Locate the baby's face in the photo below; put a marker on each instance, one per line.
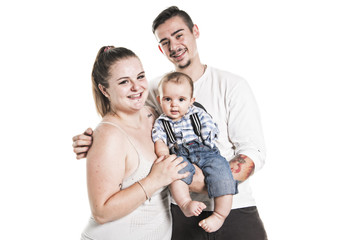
(176, 99)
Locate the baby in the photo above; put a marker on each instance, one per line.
(189, 132)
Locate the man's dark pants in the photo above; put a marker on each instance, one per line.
(241, 224)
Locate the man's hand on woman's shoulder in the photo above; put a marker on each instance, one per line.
(82, 143)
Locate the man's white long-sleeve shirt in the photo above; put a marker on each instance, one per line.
(230, 101)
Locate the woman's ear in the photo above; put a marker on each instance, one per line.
(103, 90)
(158, 99)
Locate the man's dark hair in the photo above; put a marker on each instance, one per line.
(169, 13)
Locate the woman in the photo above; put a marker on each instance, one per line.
(126, 184)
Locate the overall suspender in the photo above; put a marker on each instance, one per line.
(169, 132)
(196, 125)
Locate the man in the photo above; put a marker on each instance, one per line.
(230, 101)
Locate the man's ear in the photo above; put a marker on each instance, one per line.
(103, 90)
(160, 49)
(195, 31)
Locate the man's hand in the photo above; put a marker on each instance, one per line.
(82, 143)
(242, 167)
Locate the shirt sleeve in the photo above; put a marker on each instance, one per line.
(244, 125)
(158, 132)
(209, 128)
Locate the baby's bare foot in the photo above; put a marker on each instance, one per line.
(212, 223)
(192, 208)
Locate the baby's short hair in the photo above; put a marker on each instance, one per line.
(176, 77)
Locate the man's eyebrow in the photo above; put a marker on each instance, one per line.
(174, 33)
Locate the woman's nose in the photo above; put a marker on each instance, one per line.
(134, 86)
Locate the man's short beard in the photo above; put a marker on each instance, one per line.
(185, 66)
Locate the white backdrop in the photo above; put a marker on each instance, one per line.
(290, 52)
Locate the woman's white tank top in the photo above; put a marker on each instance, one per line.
(151, 221)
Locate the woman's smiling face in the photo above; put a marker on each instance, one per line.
(128, 86)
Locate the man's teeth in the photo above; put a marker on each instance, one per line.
(179, 53)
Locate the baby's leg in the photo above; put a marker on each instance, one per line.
(223, 206)
(180, 193)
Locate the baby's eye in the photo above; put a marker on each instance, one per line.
(181, 99)
(167, 99)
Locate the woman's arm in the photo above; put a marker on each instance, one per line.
(105, 172)
(106, 167)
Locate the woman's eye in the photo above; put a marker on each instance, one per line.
(123, 82)
(141, 77)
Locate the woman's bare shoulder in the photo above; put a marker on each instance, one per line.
(108, 139)
(108, 131)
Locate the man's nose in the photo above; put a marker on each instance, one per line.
(173, 45)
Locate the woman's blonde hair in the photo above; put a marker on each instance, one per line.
(107, 56)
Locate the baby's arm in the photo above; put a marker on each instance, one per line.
(159, 137)
(161, 148)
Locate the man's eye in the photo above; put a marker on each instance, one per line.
(164, 43)
(179, 36)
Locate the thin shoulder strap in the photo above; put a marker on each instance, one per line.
(115, 125)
